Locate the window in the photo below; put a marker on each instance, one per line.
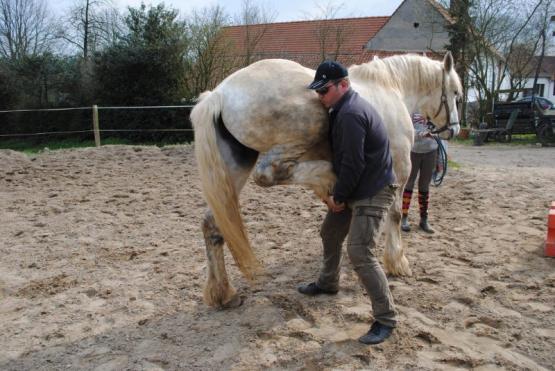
(540, 89)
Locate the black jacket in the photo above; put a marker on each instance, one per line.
(360, 146)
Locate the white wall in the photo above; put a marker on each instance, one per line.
(415, 26)
(550, 38)
(549, 85)
(472, 94)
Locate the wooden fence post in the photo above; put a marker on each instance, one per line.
(96, 126)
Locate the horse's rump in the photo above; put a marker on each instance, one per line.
(267, 104)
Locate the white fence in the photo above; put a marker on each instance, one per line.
(95, 128)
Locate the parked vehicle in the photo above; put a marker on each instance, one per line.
(533, 117)
(544, 103)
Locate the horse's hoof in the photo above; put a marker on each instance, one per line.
(236, 301)
(263, 180)
(397, 267)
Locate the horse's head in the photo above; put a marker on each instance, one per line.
(440, 106)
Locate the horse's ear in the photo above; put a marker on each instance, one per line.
(375, 58)
(448, 62)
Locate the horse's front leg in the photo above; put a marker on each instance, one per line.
(394, 259)
(218, 292)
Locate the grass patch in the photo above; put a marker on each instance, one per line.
(32, 148)
(519, 139)
(516, 140)
(453, 165)
(466, 142)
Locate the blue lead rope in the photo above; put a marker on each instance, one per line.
(437, 176)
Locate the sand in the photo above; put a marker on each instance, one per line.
(103, 265)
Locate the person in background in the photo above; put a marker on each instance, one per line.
(423, 158)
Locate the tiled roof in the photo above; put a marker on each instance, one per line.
(547, 68)
(300, 38)
(442, 10)
(528, 70)
(301, 41)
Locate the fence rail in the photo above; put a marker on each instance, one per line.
(96, 130)
(46, 109)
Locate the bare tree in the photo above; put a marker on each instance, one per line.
(498, 27)
(542, 25)
(459, 35)
(331, 34)
(521, 66)
(526, 38)
(528, 51)
(255, 19)
(25, 28)
(90, 25)
(208, 55)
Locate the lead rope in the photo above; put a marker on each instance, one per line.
(437, 177)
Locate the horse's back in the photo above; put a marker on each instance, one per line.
(268, 104)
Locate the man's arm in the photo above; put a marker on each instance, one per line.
(353, 160)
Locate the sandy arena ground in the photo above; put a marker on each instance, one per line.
(103, 265)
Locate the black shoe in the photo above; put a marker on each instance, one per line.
(313, 289)
(377, 334)
(425, 226)
(405, 226)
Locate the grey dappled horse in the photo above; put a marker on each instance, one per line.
(263, 117)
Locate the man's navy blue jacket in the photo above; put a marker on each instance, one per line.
(360, 147)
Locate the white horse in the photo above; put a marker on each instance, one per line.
(264, 115)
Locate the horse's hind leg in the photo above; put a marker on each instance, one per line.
(218, 292)
(297, 165)
(239, 161)
(394, 258)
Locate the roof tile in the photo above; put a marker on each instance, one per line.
(305, 37)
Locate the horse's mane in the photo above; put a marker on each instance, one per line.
(400, 70)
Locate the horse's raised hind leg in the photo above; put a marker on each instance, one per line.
(394, 259)
(218, 292)
(317, 175)
(293, 165)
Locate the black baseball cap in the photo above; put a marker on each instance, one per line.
(328, 71)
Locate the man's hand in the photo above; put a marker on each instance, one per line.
(425, 134)
(332, 205)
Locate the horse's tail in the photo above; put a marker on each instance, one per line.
(217, 185)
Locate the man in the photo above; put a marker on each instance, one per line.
(362, 196)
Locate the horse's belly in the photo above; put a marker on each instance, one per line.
(277, 125)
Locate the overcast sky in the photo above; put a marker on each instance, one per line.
(285, 10)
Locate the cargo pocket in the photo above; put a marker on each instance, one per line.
(368, 211)
(365, 222)
(385, 197)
